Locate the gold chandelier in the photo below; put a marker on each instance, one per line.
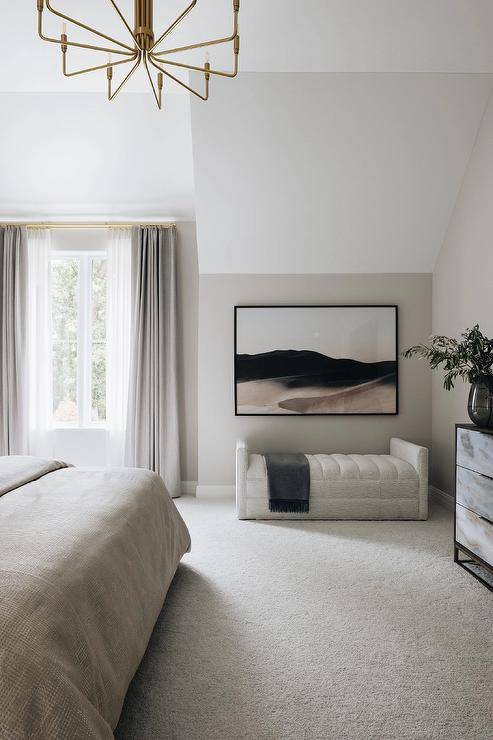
(143, 49)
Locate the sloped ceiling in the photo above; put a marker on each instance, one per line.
(331, 173)
(367, 35)
(340, 147)
(276, 36)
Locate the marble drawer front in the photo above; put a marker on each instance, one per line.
(474, 533)
(475, 491)
(475, 451)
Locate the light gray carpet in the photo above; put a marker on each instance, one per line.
(361, 630)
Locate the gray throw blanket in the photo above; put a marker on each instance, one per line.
(288, 476)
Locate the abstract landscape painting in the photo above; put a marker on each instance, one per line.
(302, 360)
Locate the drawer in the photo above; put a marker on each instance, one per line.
(475, 491)
(474, 533)
(475, 451)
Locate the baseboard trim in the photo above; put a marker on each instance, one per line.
(188, 487)
(442, 498)
(216, 491)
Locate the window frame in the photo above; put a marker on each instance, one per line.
(84, 336)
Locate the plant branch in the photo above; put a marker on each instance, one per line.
(467, 358)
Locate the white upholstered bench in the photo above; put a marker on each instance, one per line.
(391, 486)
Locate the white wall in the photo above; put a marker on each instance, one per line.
(86, 447)
(219, 428)
(352, 178)
(326, 173)
(78, 155)
(463, 291)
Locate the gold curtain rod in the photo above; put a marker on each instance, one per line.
(105, 225)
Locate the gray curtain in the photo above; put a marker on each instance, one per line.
(13, 341)
(152, 437)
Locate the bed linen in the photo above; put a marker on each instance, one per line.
(86, 558)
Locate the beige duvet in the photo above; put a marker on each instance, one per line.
(86, 558)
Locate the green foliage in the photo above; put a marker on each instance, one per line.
(65, 281)
(98, 389)
(66, 323)
(467, 358)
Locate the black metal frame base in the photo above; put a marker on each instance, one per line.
(472, 559)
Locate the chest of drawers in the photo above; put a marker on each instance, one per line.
(474, 502)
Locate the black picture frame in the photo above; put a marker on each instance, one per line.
(392, 306)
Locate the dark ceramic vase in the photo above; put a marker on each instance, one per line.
(480, 404)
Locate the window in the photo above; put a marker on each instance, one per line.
(78, 294)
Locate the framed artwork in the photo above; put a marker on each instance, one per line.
(316, 360)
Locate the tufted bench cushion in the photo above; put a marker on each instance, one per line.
(344, 486)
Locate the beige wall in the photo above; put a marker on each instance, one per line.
(463, 291)
(219, 428)
(188, 297)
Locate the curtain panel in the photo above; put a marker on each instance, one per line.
(152, 439)
(118, 323)
(13, 341)
(39, 352)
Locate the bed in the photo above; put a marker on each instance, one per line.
(86, 558)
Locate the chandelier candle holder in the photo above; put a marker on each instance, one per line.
(143, 49)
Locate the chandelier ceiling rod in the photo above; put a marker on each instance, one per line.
(143, 49)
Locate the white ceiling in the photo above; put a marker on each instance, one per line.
(331, 173)
(387, 142)
(367, 35)
(276, 36)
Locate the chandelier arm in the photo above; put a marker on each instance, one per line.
(179, 82)
(86, 28)
(174, 24)
(75, 43)
(157, 96)
(203, 44)
(204, 69)
(112, 95)
(142, 51)
(93, 69)
(123, 19)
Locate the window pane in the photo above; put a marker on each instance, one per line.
(98, 355)
(65, 283)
